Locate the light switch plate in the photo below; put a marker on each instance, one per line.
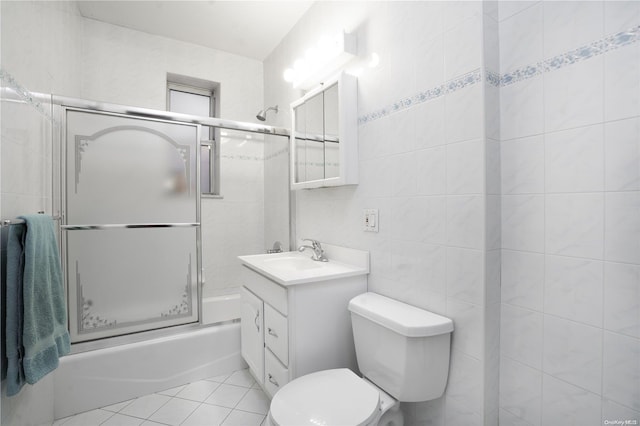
(370, 220)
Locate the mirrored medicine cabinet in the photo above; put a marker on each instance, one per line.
(324, 142)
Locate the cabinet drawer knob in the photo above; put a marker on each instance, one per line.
(271, 332)
(272, 380)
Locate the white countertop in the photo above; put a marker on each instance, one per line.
(293, 268)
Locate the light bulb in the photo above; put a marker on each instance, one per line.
(289, 75)
(311, 54)
(374, 61)
(324, 43)
(356, 71)
(299, 64)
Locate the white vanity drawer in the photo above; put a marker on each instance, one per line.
(269, 291)
(276, 375)
(276, 333)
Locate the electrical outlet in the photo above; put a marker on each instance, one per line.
(370, 220)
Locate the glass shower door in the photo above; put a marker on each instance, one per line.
(131, 223)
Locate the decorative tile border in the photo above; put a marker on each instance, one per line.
(256, 157)
(241, 157)
(11, 83)
(580, 54)
(450, 86)
(493, 78)
(521, 74)
(316, 164)
(278, 153)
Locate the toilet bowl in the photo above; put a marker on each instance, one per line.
(403, 354)
(333, 397)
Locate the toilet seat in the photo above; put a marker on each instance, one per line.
(329, 397)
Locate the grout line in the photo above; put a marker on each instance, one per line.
(502, 19)
(191, 414)
(604, 232)
(544, 236)
(107, 419)
(200, 403)
(175, 397)
(604, 122)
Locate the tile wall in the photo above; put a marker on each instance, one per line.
(24, 132)
(563, 180)
(26, 128)
(93, 60)
(570, 146)
(492, 259)
(424, 154)
(506, 175)
(276, 191)
(48, 47)
(130, 67)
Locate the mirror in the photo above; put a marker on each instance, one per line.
(299, 138)
(324, 142)
(315, 137)
(331, 133)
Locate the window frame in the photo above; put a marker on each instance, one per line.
(211, 142)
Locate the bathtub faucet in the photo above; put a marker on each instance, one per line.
(318, 252)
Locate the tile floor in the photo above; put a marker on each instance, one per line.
(228, 400)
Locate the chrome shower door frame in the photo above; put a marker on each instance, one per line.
(62, 107)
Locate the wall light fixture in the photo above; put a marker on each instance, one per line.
(321, 61)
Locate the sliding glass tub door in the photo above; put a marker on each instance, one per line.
(131, 222)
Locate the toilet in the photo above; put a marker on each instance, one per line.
(403, 356)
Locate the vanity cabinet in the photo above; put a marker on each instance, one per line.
(252, 331)
(292, 330)
(324, 142)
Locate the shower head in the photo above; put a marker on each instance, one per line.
(262, 115)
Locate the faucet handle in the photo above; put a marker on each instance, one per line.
(277, 248)
(314, 243)
(318, 251)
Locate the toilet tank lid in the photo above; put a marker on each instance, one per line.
(404, 319)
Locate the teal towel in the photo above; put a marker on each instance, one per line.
(45, 336)
(14, 373)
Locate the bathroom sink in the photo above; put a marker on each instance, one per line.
(294, 263)
(290, 268)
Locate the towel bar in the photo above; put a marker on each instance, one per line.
(7, 222)
(128, 225)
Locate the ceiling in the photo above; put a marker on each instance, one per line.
(247, 28)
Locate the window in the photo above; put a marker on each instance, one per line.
(199, 100)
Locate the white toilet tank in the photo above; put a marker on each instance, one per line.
(402, 349)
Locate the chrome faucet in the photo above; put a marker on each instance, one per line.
(318, 252)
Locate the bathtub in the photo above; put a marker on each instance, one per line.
(97, 378)
(220, 308)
